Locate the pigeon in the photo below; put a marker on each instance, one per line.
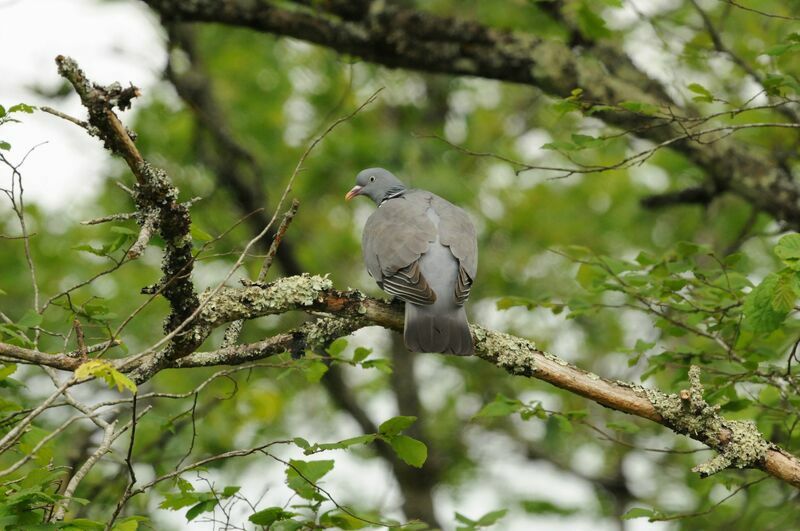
(423, 250)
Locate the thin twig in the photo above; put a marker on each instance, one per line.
(684, 516)
(759, 12)
(64, 116)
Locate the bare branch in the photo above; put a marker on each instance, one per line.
(154, 190)
(759, 12)
(68, 361)
(149, 225)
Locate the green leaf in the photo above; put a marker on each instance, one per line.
(760, 315)
(31, 319)
(174, 501)
(560, 145)
(288, 525)
(591, 24)
(301, 477)
(199, 234)
(383, 365)
(302, 443)
(547, 508)
(787, 289)
(773, 84)
(21, 107)
(82, 524)
(395, 425)
(780, 49)
(315, 370)
(586, 141)
(686, 249)
(788, 250)
(410, 450)
(590, 277)
(640, 107)
(337, 519)
(504, 303)
(570, 103)
(343, 444)
(337, 347)
(637, 512)
(184, 485)
(4, 145)
(270, 515)
(361, 354)
(130, 523)
(557, 426)
(16, 335)
(492, 517)
(203, 507)
(229, 491)
(7, 369)
(500, 407)
(486, 520)
(104, 370)
(703, 93)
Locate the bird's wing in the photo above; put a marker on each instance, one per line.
(457, 232)
(395, 236)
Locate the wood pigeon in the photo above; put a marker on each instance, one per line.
(423, 250)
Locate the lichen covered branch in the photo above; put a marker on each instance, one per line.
(155, 196)
(738, 443)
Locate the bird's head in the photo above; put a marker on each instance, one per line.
(375, 183)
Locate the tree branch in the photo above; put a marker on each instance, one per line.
(738, 443)
(155, 195)
(404, 38)
(67, 361)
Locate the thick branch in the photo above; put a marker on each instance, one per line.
(697, 195)
(404, 38)
(739, 444)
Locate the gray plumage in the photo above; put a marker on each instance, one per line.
(423, 250)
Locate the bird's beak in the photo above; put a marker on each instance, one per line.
(352, 193)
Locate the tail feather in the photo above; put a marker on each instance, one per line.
(429, 330)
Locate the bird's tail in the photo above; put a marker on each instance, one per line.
(428, 329)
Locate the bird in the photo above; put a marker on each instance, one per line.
(423, 250)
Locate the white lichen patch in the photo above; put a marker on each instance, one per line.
(739, 443)
(326, 329)
(514, 354)
(258, 300)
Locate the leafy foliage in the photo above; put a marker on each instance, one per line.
(103, 369)
(576, 264)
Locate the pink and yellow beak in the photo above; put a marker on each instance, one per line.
(356, 190)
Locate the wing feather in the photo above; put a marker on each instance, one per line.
(410, 285)
(395, 236)
(457, 232)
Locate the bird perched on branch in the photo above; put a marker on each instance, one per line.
(422, 249)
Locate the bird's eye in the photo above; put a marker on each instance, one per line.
(372, 179)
